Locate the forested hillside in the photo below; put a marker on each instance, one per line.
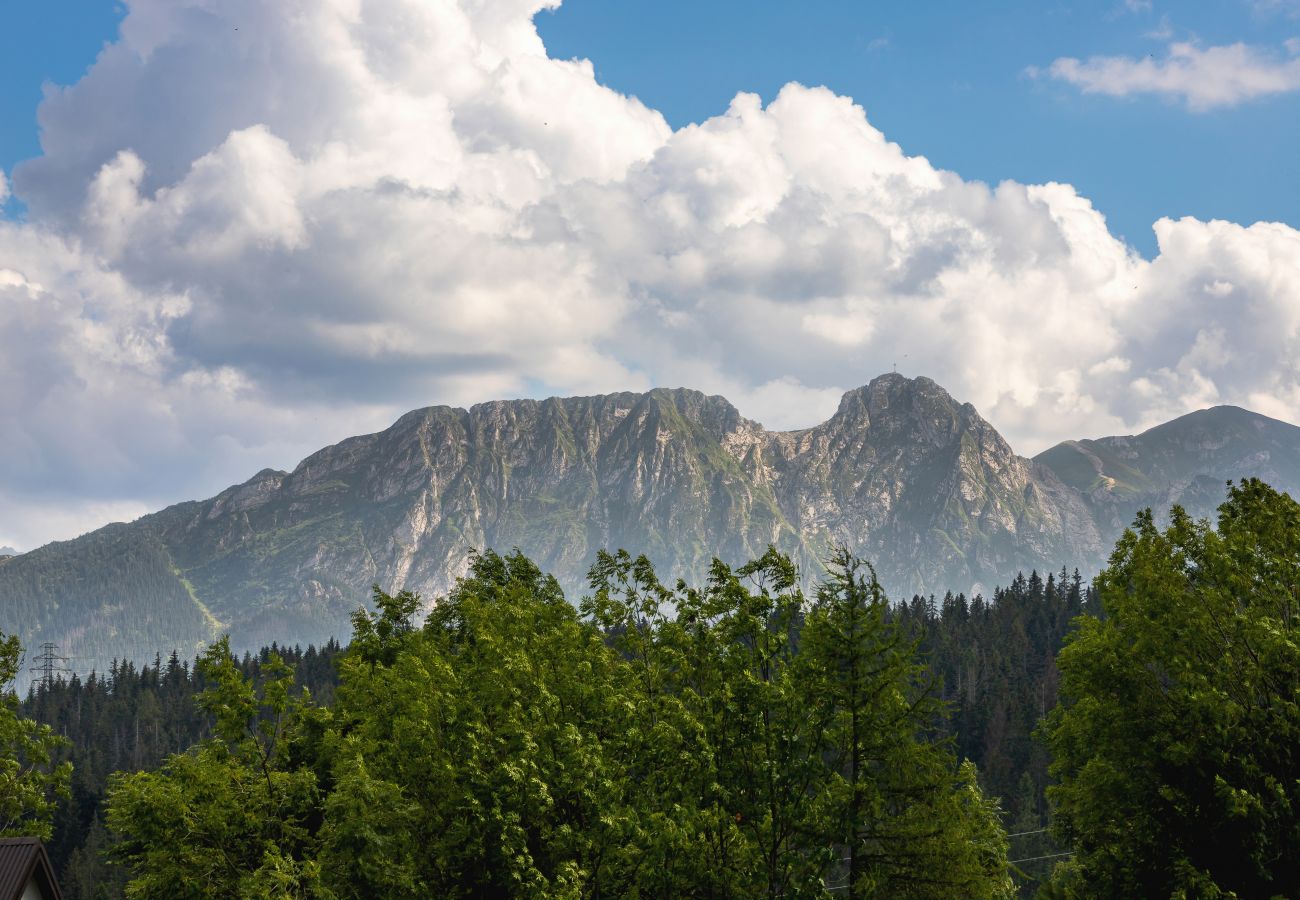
(991, 661)
(128, 719)
(994, 663)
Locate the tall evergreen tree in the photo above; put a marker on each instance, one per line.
(908, 822)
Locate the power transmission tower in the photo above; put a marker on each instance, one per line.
(49, 664)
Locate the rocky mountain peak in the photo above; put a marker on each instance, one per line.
(713, 413)
(251, 493)
(901, 410)
(902, 473)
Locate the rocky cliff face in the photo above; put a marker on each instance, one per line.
(927, 489)
(902, 473)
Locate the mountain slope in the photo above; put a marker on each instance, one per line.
(903, 473)
(287, 556)
(1185, 461)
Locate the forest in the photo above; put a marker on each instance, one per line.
(736, 738)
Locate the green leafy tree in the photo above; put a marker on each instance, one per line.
(720, 747)
(31, 779)
(378, 637)
(1175, 741)
(481, 740)
(682, 835)
(905, 819)
(660, 742)
(234, 817)
(765, 735)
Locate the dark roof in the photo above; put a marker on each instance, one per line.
(21, 860)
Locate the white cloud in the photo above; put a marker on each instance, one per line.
(1288, 8)
(244, 244)
(1163, 31)
(1204, 78)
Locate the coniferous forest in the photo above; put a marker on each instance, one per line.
(735, 738)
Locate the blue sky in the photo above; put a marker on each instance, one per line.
(252, 228)
(45, 42)
(946, 80)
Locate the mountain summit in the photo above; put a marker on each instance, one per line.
(903, 473)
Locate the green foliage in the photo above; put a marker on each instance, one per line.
(991, 662)
(368, 843)
(907, 827)
(485, 734)
(30, 777)
(1175, 740)
(378, 638)
(130, 719)
(235, 816)
(719, 745)
(659, 742)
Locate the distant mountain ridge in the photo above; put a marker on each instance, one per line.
(909, 477)
(1184, 461)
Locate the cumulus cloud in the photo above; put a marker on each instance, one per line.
(1204, 78)
(260, 226)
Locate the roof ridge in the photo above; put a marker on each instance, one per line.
(22, 860)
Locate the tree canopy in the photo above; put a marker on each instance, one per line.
(31, 779)
(1176, 740)
(732, 739)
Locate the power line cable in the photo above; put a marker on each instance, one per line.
(1048, 856)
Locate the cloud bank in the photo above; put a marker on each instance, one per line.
(258, 226)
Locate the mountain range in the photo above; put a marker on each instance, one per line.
(908, 477)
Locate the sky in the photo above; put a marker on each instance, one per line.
(234, 231)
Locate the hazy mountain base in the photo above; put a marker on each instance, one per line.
(902, 473)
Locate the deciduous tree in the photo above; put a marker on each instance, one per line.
(1176, 739)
